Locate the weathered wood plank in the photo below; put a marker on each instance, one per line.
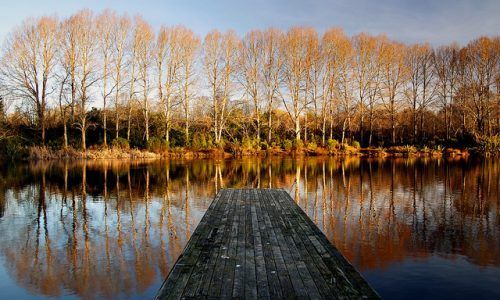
(180, 273)
(239, 274)
(311, 259)
(250, 281)
(212, 289)
(258, 243)
(283, 275)
(260, 262)
(346, 280)
(287, 248)
(201, 281)
(273, 280)
(227, 286)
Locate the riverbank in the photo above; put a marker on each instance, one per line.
(45, 153)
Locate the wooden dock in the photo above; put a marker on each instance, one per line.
(258, 243)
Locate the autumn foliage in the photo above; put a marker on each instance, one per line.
(94, 77)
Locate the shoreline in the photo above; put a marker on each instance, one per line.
(46, 154)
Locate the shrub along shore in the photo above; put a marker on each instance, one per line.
(288, 149)
(157, 148)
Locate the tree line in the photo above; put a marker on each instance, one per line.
(109, 77)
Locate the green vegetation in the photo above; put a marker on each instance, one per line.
(120, 143)
(491, 145)
(157, 145)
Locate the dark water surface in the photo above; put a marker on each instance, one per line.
(415, 228)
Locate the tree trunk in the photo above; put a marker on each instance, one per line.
(186, 114)
(104, 125)
(393, 130)
(370, 137)
(393, 121)
(186, 131)
(323, 130)
(42, 121)
(83, 131)
(331, 123)
(422, 131)
(446, 121)
(361, 125)
(258, 128)
(297, 128)
(167, 117)
(216, 110)
(117, 124)
(269, 125)
(129, 122)
(344, 125)
(104, 116)
(65, 133)
(117, 98)
(305, 128)
(257, 112)
(146, 120)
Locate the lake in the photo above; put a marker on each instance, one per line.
(414, 228)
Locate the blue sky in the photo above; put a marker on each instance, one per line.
(437, 22)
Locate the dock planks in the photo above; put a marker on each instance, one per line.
(258, 243)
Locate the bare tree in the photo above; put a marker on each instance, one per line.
(364, 73)
(86, 66)
(230, 46)
(272, 64)
(445, 64)
(312, 73)
(428, 86)
(121, 32)
(481, 75)
(28, 64)
(413, 63)
(220, 53)
(341, 51)
(63, 79)
(145, 36)
(394, 75)
(159, 54)
(294, 52)
(173, 64)
(420, 74)
(249, 64)
(329, 79)
(374, 90)
(68, 64)
(189, 45)
(133, 62)
(105, 24)
(69, 47)
(211, 63)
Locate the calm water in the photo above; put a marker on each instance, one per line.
(413, 227)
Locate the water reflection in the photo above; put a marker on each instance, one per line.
(114, 229)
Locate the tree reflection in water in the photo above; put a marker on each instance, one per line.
(114, 229)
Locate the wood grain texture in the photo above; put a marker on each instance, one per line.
(258, 243)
